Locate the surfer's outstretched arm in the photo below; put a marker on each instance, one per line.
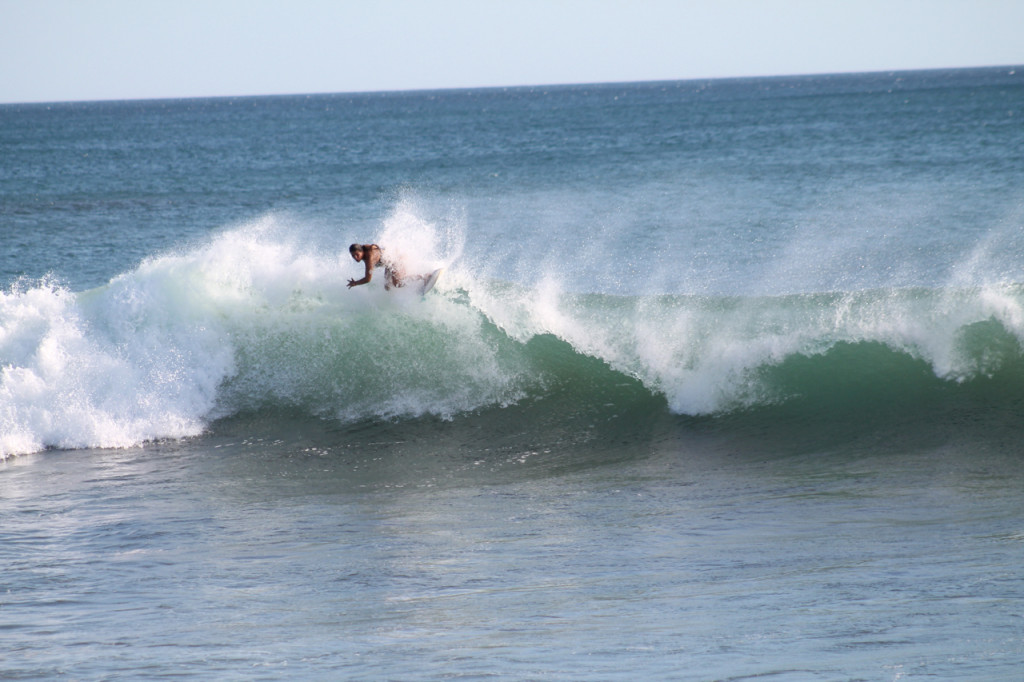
(366, 278)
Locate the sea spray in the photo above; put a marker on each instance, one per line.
(421, 245)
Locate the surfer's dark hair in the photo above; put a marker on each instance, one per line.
(355, 247)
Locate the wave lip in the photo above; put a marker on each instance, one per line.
(713, 354)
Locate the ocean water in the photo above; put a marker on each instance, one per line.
(723, 380)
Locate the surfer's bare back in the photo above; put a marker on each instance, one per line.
(372, 256)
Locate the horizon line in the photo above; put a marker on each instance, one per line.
(991, 67)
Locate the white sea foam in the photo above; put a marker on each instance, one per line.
(80, 372)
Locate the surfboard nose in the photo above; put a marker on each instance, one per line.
(431, 280)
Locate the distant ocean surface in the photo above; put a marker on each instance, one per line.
(723, 380)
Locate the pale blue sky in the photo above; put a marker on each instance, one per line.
(54, 50)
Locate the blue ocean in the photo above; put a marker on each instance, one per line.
(723, 380)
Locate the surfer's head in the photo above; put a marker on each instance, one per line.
(356, 251)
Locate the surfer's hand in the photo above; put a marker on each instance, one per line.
(351, 283)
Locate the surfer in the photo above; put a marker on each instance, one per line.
(372, 256)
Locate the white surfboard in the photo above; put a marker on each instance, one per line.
(431, 280)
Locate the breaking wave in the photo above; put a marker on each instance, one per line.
(256, 319)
